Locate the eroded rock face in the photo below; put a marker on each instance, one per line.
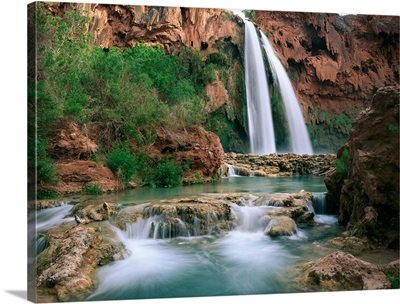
(170, 27)
(342, 271)
(70, 142)
(278, 164)
(339, 61)
(75, 176)
(195, 146)
(366, 189)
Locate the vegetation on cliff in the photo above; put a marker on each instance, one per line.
(127, 94)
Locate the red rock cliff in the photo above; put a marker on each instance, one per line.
(335, 62)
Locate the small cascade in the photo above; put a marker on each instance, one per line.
(321, 209)
(51, 217)
(319, 203)
(250, 218)
(261, 129)
(162, 226)
(232, 171)
(299, 137)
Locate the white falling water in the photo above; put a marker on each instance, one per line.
(231, 171)
(261, 129)
(299, 138)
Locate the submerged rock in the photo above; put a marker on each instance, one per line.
(343, 271)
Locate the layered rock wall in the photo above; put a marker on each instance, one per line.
(365, 185)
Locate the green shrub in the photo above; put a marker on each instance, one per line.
(341, 163)
(394, 280)
(123, 163)
(94, 189)
(393, 128)
(46, 194)
(165, 173)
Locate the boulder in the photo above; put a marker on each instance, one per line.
(94, 212)
(280, 225)
(198, 148)
(342, 271)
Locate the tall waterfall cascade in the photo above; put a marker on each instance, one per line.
(259, 112)
(299, 138)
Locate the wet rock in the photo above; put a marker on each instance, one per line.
(343, 271)
(182, 217)
(278, 164)
(280, 225)
(350, 243)
(64, 268)
(94, 212)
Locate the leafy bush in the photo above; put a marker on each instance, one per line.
(165, 173)
(94, 189)
(46, 194)
(123, 163)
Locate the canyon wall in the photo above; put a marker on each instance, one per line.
(364, 188)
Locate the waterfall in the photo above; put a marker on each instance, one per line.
(231, 171)
(321, 210)
(319, 202)
(261, 129)
(299, 138)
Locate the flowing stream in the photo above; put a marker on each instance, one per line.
(242, 261)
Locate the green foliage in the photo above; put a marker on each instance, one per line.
(197, 178)
(251, 15)
(123, 163)
(130, 93)
(393, 128)
(46, 194)
(328, 132)
(394, 279)
(279, 120)
(230, 133)
(94, 189)
(341, 163)
(165, 173)
(44, 165)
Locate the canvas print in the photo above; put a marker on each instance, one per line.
(187, 152)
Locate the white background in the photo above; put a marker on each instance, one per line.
(13, 146)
